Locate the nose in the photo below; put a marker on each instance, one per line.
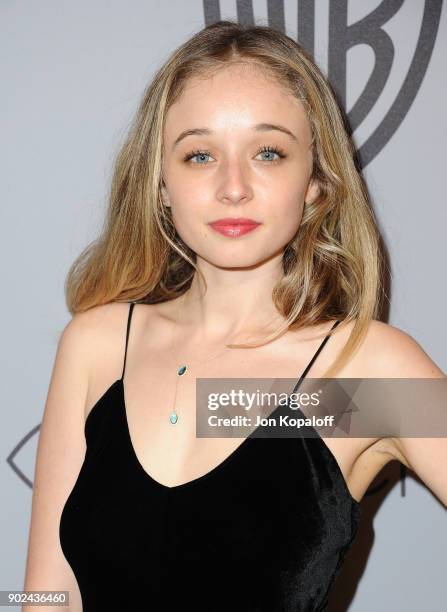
(234, 183)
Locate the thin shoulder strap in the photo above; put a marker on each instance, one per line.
(318, 351)
(129, 318)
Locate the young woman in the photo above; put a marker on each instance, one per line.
(239, 242)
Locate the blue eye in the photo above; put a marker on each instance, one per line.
(265, 149)
(275, 150)
(193, 154)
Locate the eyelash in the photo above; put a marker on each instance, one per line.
(263, 149)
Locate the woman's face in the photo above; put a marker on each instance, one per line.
(223, 159)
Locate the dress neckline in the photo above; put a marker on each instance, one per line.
(189, 483)
(241, 448)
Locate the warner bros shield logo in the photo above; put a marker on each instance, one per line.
(370, 30)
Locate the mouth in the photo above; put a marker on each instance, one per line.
(234, 227)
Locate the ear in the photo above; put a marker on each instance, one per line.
(164, 195)
(312, 192)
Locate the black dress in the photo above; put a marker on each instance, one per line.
(266, 530)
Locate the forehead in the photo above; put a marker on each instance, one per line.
(235, 98)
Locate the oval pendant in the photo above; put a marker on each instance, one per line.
(173, 418)
(181, 370)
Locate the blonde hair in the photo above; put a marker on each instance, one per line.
(333, 265)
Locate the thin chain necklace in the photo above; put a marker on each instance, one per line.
(182, 368)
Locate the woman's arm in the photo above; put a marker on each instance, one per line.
(399, 355)
(60, 453)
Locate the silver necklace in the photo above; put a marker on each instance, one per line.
(182, 368)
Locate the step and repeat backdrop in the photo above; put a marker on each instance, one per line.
(73, 74)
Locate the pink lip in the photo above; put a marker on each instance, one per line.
(234, 227)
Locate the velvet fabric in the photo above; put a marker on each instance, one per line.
(265, 531)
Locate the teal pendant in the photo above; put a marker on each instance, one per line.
(173, 417)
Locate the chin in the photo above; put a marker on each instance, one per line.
(233, 260)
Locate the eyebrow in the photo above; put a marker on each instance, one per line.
(259, 127)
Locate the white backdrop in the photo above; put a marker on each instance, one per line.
(72, 75)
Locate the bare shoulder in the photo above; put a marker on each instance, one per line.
(388, 351)
(97, 320)
(400, 355)
(83, 338)
(100, 334)
(103, 330)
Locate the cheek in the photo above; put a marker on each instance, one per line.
(190, 215)
(286, 215)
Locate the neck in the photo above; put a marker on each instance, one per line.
(237, 302)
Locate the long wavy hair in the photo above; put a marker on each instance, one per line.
(332, 267)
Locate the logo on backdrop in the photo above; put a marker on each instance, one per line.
(370, 31)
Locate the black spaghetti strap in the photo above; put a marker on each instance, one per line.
(312, 361)
(129, 318)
